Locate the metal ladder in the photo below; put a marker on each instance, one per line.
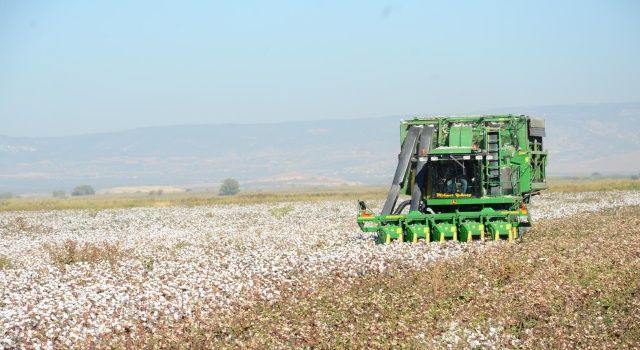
(493, 162)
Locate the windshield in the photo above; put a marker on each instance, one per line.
(453, 179)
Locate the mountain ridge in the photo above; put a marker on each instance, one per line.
(581, 139)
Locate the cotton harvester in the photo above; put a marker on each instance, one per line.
(469, 178)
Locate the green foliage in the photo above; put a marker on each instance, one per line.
(182, 245)
(635, 177)
(279, 212)
(59, 194)
(83, 190)
(5, 262)
(148, 264)
(229, 187)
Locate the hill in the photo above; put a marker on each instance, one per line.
(581, 139)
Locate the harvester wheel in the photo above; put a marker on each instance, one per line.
(401, 207)
(405, 204)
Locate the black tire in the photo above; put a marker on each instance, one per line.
(405, 204)
(401, 206)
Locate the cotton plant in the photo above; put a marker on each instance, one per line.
(80, 278)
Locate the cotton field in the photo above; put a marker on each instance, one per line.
(69, 278)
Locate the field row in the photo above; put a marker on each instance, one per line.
(78, 278)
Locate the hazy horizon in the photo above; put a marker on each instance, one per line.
(497, 110)
(581, 139)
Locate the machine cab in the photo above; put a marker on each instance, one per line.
(453, 176)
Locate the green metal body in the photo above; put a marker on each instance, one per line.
(481, 173)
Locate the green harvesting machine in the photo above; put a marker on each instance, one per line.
(469, 178)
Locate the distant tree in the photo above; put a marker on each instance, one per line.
(59, 194)
(635, 177)
(229, 187)
(83, 190)
(157, 192)
(596, 174)
(6, 195)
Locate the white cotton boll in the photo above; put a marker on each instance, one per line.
(187, 260)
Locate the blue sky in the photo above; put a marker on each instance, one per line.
(69, 67)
